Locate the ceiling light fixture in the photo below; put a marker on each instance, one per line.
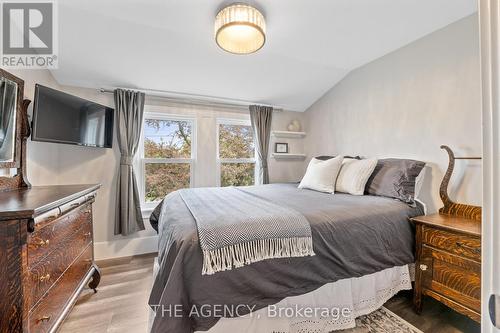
(240, 29)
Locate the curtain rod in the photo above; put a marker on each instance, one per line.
(192, 99)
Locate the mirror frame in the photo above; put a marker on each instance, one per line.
(16, 163)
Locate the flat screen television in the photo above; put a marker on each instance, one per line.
(63, 118)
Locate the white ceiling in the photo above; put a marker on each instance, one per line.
(169, 45)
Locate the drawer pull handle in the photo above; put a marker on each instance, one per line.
(88, 234)
(44, 243)
(476, 250)
(45, 278)
(75, 204)
(42, 319)
(423, 267)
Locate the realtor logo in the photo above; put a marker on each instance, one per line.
(29, 34)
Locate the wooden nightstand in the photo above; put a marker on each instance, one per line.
(448, 267)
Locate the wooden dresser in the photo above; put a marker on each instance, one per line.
(46, 255)
(448, 266)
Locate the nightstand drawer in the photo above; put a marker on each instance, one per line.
(458, 244)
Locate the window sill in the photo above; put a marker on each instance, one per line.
(146, 212)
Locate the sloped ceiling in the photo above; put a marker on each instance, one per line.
(169, 45)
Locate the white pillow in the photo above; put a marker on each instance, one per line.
(354, 174)
(321, 175)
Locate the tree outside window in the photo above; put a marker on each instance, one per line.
(167, 156)
(236, 154)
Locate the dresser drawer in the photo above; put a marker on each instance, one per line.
(50, 268)
(48, 237)
(453, 277)
(46, 313)
(461, 245)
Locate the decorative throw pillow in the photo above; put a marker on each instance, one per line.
(321, 175)
(354, 174)
(395, 178)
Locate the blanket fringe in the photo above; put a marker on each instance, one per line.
(238, 255)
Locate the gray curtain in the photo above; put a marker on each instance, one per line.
(261, 118)
(129, 107)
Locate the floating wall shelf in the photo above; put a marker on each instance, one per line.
(288, 134)
(288, 156)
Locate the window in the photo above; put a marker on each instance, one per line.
(167, 156)
(236, 153)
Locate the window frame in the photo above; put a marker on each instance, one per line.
(141, 161)
(220, 161)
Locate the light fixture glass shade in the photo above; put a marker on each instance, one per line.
(240, 29)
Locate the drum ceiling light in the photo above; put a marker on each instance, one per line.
(240, 29)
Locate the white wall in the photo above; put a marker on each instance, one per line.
(408, 103)
(42, 167)
(50, 163)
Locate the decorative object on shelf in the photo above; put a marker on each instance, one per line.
(288, 156)
(281, 147)
(240, 29)
(294, 126)
(288, 134)
(450, 207)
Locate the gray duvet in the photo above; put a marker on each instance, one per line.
(352, 236)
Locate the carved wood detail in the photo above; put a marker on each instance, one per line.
(450, 207)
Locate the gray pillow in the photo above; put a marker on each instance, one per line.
(395, 178)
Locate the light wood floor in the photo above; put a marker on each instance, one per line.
(120, 304)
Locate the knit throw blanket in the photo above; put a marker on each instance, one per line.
(236, 228)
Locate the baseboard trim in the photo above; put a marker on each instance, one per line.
(125, 247)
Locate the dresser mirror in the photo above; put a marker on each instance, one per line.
(14, 129)
(8, 106)
(11, 91)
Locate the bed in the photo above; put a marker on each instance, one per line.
(360, 243)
